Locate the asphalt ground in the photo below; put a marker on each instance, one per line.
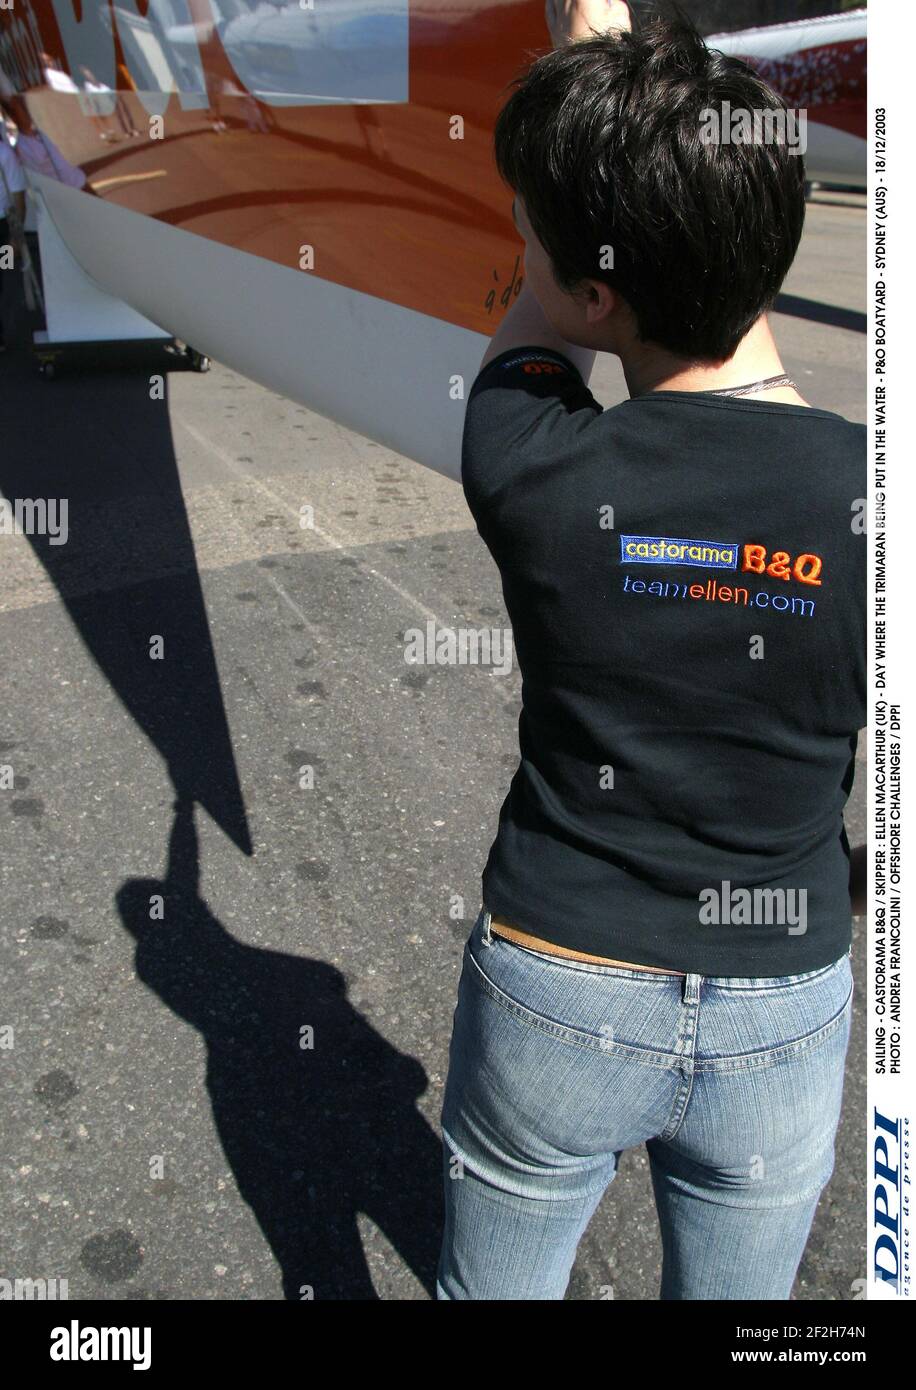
(161, 1137)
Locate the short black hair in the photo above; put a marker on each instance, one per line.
(603, 140)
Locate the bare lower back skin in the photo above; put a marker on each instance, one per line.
(506, 929)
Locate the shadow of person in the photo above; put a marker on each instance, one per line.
(317, 1125)
(100, 448)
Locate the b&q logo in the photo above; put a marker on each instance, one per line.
(805, 568)
(724, 555)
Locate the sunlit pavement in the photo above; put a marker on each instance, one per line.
(167, 1134)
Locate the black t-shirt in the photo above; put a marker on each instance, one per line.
(685, 577)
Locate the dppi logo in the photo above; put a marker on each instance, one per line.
(887, 1201)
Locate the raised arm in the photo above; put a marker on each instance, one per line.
(525, 323)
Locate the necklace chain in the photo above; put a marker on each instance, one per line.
(769, 384)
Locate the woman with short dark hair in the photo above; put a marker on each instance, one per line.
(662, 957)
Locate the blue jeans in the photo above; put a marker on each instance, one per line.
(557, 1066)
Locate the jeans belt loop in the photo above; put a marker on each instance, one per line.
(692, 988)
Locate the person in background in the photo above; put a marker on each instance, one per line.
(12, 218)
(55, 77)
(99, 103)
(122, 110)
(37, 151)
